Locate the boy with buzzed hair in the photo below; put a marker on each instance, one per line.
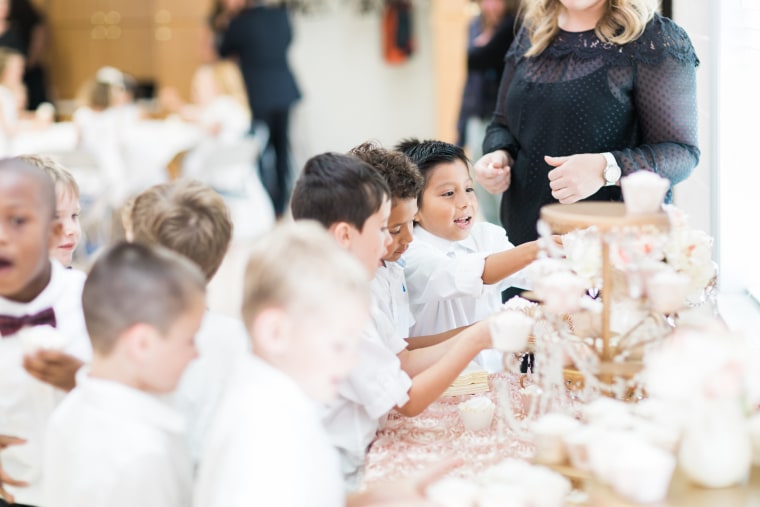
(113, 441)
(192, 219)
(43, 340)
(353, 201)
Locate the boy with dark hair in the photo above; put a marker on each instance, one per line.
(456, 268)
(43, 341)
(332, 189)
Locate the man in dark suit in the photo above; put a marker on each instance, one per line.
(259, 37)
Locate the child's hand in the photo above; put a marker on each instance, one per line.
(53, 367)
(493, 171)
(5, 441)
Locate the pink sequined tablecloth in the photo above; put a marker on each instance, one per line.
(407, 445)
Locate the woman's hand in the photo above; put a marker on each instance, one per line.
(493, 171)
(576, 177)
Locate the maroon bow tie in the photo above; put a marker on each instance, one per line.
(10, 325)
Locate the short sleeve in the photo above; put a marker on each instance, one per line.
(377, 383)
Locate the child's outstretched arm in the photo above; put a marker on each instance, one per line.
(428, 385)
(416, 342)
(500, 265)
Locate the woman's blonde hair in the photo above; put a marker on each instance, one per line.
(623, 22)
(229, 79)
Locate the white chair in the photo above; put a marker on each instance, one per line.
(232, 170)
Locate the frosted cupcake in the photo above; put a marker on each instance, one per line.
(37, 338)
(549, 432)
(644, 192)
(477, 413)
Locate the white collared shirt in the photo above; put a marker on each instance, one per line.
(267, 446)
(220, 341)
(26, 403)
(110, 445)
(391, 313)
(445, 283)
(375, 386)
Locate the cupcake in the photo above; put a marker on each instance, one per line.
(644, 192)
(549, 432)
(510, 330)
(36, 338)
(453, 492)
(477, 413)
(529, 396)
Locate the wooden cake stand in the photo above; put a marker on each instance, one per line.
(607, 217)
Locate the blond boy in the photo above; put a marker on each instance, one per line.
(67, 207)
(192, 219)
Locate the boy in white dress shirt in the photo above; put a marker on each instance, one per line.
(113, 441)
(37, 364)
(350, 198)
(456, 268)
(192, 219)
(305, 302)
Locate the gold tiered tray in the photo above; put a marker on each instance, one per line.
(608, 217)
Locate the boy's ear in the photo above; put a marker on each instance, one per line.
(56, 233)
(139, 339)
(342, 232)
(270, 331)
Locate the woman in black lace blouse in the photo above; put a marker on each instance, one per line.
(589, 86)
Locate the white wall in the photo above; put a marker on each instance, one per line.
(350, 93)
(695, 195)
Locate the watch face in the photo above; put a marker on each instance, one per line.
(612, 174)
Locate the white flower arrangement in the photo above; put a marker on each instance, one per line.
(704, 362)
(689, 251)
(638, 256)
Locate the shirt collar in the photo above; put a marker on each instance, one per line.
(129, 403)
(466, 245)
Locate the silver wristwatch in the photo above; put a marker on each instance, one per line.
(612, 170)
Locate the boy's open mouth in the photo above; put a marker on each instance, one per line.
(463, 222)
(5, 263)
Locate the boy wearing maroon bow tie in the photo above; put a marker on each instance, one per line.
(37, 361)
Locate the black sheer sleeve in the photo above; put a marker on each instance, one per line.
(666, 103)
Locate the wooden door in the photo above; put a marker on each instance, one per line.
(153, 40)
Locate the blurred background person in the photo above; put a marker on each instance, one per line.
(259, 34)
(23, 28)
(490, 34)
